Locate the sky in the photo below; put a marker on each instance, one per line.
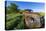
(35, 6)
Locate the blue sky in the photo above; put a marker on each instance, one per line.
(35, 6)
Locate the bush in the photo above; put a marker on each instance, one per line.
(14, 22)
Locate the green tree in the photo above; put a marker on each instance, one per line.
(12, 8)
(30, 10)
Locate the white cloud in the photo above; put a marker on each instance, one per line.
(38, 10)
